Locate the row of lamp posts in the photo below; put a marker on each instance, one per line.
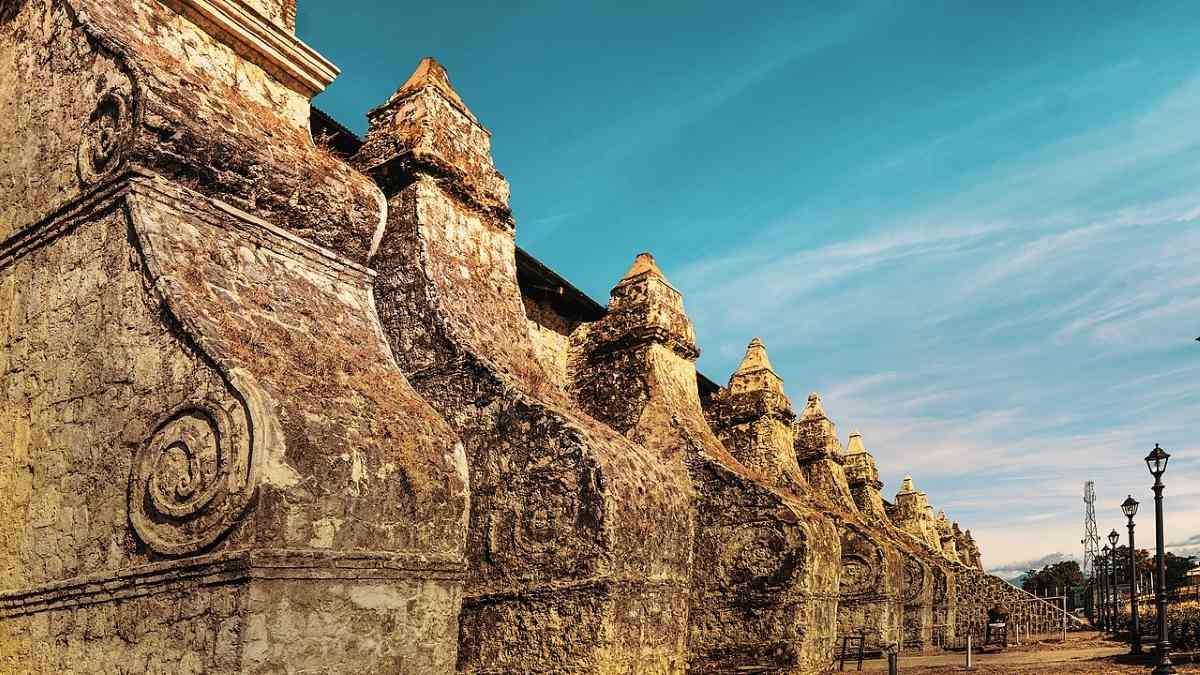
(1156, 461)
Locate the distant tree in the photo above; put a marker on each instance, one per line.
(1177, 569)
(1067, 574)
(1145, 564)
(1053, 579)
(1029, 581)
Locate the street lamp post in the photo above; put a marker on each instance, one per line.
(1113, 538)
(1105, 604)
(1129, 507)
(1156, 461)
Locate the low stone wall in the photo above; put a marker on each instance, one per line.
(978, 592)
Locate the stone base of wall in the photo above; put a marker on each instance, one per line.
(506, 632)
(238, 612)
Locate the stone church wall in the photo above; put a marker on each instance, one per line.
(763, 584)
(579, 539)
(208, 452)
(265, 409)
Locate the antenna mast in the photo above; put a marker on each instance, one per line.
(1091, 535)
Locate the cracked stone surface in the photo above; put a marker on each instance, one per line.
(273, 405)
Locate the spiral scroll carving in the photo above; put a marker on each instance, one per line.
(914, 580)
(105, 137)
(940, 588)
(190, 479)
(758, 560)
(857, 575)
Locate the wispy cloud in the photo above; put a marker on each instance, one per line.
(750, 286)
(1002, 345)
(861, 385)
(539, 228)
(1012, 570)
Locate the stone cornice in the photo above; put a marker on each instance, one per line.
(225, 568)
(730, 408)
(138, 181)
(638, 336)
(28, 238)
(263, 42)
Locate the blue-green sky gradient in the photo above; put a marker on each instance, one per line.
(971, 226)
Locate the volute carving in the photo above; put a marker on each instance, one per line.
(105, 136)
(759, 560)
(914, 580)
(190, 479)
(857, 575)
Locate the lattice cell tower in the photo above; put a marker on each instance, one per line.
(1091, 536)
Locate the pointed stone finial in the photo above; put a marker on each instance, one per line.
(643, 264)
(755, 358)
(855, 446)
(755, 372)
(644, 308)
(860, 467)
(813, 410)
(943, 525)
(425, 134)
(645, 272)
(432, 75)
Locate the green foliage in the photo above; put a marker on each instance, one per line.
(1183, 619)
(1177, 569)
(1145, 564)
(1055, 578)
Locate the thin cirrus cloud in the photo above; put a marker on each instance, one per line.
(984, 252)
(987, 343)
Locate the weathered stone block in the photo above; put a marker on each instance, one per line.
(568, 518)
(762, 577)
(208, 430)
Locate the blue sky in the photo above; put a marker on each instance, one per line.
(973, 227)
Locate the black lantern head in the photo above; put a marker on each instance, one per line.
(1113, 538)
(1106, 550)
(1156, 461)
(1129, 507)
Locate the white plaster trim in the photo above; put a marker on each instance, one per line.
(269, 45)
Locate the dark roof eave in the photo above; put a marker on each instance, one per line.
(533, 275)
(536, 277)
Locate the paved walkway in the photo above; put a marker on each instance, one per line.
(1084, 653)
(1010, 657)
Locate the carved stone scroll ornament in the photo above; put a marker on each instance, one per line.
(105, 136)
(190, 479)
(759, 559)
(857, 575)
(940, 590)
(914, 580)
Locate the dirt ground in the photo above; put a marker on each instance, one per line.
(1095, 667)
(1081, 654)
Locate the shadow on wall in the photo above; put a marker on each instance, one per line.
(9, 9)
